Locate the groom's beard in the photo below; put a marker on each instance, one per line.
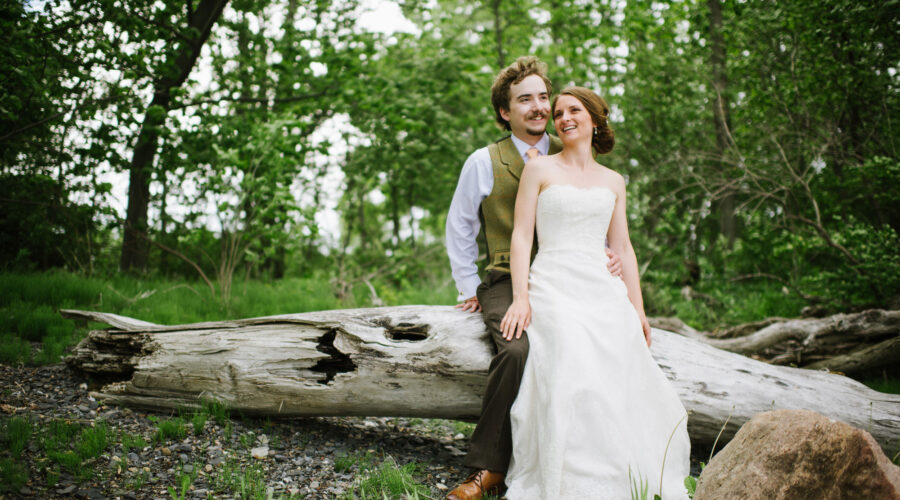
(535, 131)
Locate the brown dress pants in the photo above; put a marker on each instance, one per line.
(491, 445)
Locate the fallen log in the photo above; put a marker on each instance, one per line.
(420, 361)
(848, 343)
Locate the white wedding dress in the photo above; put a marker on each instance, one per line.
(593, 404)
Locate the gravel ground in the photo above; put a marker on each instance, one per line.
(296, 456)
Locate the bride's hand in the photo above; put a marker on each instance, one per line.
(645, 326)
(516, 319)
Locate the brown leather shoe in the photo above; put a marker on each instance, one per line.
(478, 484)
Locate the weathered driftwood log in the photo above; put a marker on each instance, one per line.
(848, 343)
(422, 361)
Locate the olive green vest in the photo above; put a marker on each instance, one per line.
(498, 207)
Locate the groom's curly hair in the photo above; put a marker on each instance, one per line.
(514, 73)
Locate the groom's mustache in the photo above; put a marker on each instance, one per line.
(537, 115)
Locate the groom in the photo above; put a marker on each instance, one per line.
(485, 197)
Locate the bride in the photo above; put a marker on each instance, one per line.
(595, 417)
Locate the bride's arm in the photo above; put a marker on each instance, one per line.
(518, 316)
(620, 242)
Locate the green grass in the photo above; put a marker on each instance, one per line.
(888, 385)
(346, 462)
(464, 428)
(16, 433)
(29, 305)
(215, 409)
(389, 480)
(198, 421)
(728, 304)
(247, 481)
(131, 442)
(13, 474)
(183, 481)
(170, 429)
(93, 440)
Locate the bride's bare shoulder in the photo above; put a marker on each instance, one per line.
(539, 167)
(616, 180)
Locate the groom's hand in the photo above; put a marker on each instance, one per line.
(614, 264)
(470, 305)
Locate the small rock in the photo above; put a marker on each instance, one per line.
(208, 468)
(456, 452)
(166, 451)
(188, 468)
(314, 485)
(260, 452)
(68, 489)
(459, 436)
(441, 486)
(183, 457)
(133, 457)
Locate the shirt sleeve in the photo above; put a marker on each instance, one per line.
(463, 224)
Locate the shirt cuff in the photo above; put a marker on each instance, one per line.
(467, 288)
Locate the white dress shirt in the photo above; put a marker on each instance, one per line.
(475, 183)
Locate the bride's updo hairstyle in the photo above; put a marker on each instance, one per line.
(604, 137)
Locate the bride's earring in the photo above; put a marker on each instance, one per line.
(595, 130)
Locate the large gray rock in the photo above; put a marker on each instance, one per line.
(799, 454)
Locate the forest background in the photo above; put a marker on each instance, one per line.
(758, 139)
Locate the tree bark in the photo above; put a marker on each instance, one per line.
(134, 246)
(847, 343)
(498, 33)
(420, 361)
(727, 223)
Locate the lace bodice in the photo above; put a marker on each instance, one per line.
(573, 218)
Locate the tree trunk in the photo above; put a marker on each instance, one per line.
(134, 244)
(847, 343)
(420, 361)
(498, 33)
(727, 222)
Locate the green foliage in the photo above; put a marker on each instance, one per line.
(198, 421)
(235, 479)
(17, 432)
(93, 441)
(639, 485)
(690, 483)
(71, 446)
(359, 460)
(389, 480)
(216, 409)
(464, 428)
(13, 475)
(170, 429)
(183, 481)
(14, 350)
(130, 442)
(884, 384)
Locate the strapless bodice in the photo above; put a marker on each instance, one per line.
(573, 218)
